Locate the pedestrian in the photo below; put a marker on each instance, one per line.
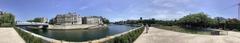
(147, 28)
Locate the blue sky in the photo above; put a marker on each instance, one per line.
(116, 10)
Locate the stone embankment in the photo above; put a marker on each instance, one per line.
(125, 37)
(82, 26)
(102, 40)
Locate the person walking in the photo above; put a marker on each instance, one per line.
(147, 28)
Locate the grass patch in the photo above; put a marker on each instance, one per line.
(184, 30)
(28, 38)
(127, 38)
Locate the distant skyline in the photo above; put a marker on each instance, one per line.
(116, 10)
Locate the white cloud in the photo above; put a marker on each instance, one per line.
(170, 3)
(159, 9)
(169, 15)
(165, 9)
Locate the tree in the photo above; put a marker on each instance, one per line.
(220, 19)
(141, 18)
(195, 20)
(140, 21)
(42, 20)
(52, 21)
(233, 24)
(220, 22)
(166, 23)
(7, 19)
(131, 22)
(105, 21)
(30, 20)
(153, 21)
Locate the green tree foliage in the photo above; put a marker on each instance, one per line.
(105, 21)
(212, 23)
(36, 20)
(166, 22)
(131, 22)
(233, 24)
(195, 20)
(52, 21)
(7, 19)
(219, 22)
(149, 21)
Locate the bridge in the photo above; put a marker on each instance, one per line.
(32, 24)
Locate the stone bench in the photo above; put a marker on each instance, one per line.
(218, 32)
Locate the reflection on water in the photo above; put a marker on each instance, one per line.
(82, 35)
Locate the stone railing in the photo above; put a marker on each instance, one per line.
(125, 37)
(82, 26)
(218, 32)
(30, 37)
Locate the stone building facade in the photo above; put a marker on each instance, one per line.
(92, 20)
(68, 19)
(73, 18)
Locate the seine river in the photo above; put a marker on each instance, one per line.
(77, 35)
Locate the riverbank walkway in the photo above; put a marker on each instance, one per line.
(9, 35)
(156, 35)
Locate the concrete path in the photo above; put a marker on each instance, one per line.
(156, 35)
(9, 35)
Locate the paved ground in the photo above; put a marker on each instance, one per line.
(164, 36)
(9, 35)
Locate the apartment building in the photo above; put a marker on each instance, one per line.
(68, 19)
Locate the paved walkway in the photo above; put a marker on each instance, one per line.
(156, 35)
(9, 35)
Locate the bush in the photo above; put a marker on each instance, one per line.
(6, 25)
(184, 30)
(7, 19)
(127, 38)
(28, 37)
(195, 20)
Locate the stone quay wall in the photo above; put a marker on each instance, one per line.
(125, 37)
(82, 26)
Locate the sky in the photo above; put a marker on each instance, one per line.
(117, 10)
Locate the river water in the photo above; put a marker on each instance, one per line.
(77, 35)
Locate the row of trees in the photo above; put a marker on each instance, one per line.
(6, 19)
(201, 20)
(140, 21)
(39, 19)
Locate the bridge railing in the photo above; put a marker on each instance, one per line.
(31, 23)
